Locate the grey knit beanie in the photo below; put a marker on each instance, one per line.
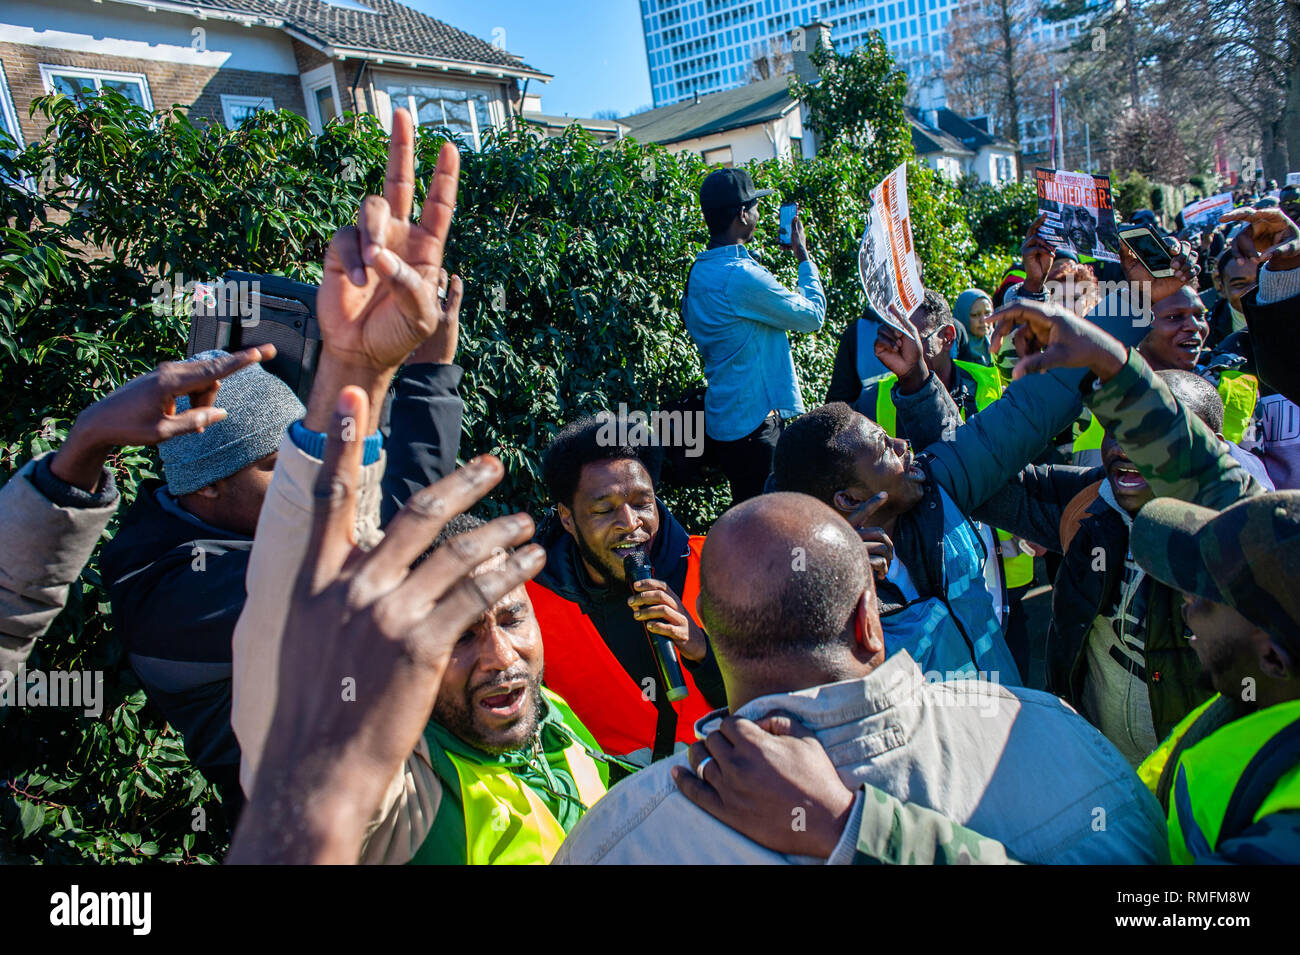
(260, 409)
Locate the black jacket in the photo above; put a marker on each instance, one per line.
(177, 589)
(609, 613)
(177, 584)
(1272, 332)
(1088, 584)
(845, 384)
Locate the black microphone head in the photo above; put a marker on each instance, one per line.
(636, 566)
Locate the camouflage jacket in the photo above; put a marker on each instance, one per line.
(1175, 451)
(898, 833)
(1180, 457)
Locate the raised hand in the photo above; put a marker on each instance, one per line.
(1272, 237)
(1049, 336)
(370, 618)
(901, 354)
(378, 300)
(1183, 263)
(440, 348)
(798, 243)
(1036, 256)
(143, 412)
(880, 549)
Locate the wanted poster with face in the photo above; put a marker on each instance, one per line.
(1080, 215)
(887, 262)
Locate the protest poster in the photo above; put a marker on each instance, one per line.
(887, 262)
(1293, 179)
(1080, 215)
(1205, 212)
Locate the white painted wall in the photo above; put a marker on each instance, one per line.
(762, 141)
(116, 29)
(985, 164)
(949, 165)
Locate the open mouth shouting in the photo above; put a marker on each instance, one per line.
(502, 701)
(1191, 344)
(1126, 477)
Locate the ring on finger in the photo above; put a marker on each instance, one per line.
(699, 770)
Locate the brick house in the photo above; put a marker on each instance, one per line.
(226, 58)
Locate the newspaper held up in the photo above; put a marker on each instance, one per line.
(1080, 215)
(887, 263)
(1204, 213)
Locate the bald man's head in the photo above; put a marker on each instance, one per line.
(781, 575)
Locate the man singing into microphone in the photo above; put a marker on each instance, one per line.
(595, 626)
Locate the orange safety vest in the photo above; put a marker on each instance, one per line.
(581, 668)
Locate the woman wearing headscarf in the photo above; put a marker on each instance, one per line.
(971, 313)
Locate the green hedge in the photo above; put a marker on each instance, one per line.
(573, 257)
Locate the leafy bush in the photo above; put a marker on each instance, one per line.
(1130, 194)
(998, 216)
(573, 255)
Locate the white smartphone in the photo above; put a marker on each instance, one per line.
(1150, 249)
(788, 211)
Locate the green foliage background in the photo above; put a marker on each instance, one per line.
(573, 256)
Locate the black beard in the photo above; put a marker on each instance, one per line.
(456, 716)
(1081, 240)
(612, 571)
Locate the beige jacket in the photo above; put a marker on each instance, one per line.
(45, 547)
(1012, 764)
(283, 532)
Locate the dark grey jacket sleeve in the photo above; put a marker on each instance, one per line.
(1031, 502)
(50, 530)
(424, 432)
(972, 461)
(994, 445)
(928, 416)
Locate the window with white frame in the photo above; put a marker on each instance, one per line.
(320, 89)
(79, 84)
(8, 115)
(236, 109)
(466, 112)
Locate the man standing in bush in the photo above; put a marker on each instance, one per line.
(738, 314)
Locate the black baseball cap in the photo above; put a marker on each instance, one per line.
(729, 187)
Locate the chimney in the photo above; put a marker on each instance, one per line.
(932, 118)
(805, 39)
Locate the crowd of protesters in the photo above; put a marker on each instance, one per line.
(370, 673)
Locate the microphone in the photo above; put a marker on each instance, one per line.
(637, 567)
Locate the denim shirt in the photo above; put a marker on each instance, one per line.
(738, 315)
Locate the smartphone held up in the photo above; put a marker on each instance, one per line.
(788, 212)
(1150, 249)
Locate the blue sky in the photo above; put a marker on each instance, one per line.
(593, 47)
